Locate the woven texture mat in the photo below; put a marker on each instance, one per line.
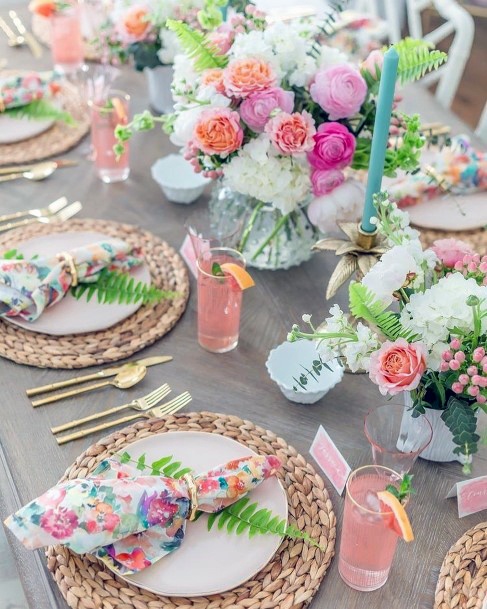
(141, 329)
(463, 575)
(57, 139)
(476, 238)
(41, 29)
(289, 581)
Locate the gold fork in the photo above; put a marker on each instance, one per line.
(166, 409)
(63, 215)
(52, 208)
(144, 403)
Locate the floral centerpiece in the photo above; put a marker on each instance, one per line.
(419, 328)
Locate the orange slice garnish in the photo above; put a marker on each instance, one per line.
(119, 108)
(241, 276)
(399, 522)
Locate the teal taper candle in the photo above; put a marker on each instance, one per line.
(381, 135)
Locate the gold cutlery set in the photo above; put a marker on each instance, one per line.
(55, 212)
(22, 36)
(34, 171)
(126, 375)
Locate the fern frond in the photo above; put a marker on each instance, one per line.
(165, 466)
(328, 25)
(40, 110)
(416, 58)
(197, 46)
(364, 305)
(120, 288)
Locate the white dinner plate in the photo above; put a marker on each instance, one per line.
(451, 213)
(71, 316)
(208, 562)
(14, 130)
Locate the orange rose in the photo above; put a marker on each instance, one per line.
(214, 77)
(46, 8)
(245, 76)
(135, 24)
(218, 131)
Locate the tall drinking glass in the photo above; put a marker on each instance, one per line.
(219, 301)
(207, 231)
(66, 39)
(105, 116)
(367, 545)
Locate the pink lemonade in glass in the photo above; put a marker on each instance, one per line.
(66, 39)
(219, 302)
(105, 116)
(367, 544)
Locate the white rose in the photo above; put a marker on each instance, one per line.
(184, 125)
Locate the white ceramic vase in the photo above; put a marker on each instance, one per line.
(159, 81)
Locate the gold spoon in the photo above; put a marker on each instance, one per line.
(37, 173)
(128, 377)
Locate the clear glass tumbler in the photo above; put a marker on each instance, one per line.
(367, 544)
(395, 444)
(219, 301)
(208, 230)
(66, 39)
(105, 116)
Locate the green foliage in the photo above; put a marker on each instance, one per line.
(241, 517)
(404, 490)
(115, 287)
(40, 110)
(197, 46)
(460, 419)
(161, 467)
(363, 305)
(416, 58)
(13, 254)
(145, 54)
(316, 368)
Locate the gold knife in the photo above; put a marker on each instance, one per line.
(21, 168)
(107, 372)
(32, 42)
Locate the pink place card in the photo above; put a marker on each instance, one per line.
(472, 496)
(330, 460)
(188, 255)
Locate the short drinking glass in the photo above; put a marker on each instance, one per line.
(219, 301)
(395, 437)
(66, 38)
(367, 544)
(106, 114)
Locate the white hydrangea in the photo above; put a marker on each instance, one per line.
(358, 353)
(251, 44)
(330, 56)
(426, 261)
(184, 124)
(185, 78)
(170, 46)
(433, 313)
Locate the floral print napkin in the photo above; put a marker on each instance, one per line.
(20, 90)
(129, 520)
(27, 287)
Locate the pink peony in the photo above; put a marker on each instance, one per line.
(134, 24)
(334, 147)
(60, 522)
(326, 180)
(222, 40)
(451, 251)
(257, 108)
(340, 90)
(218, 131)
(292, 133)
(374, 60)
(398, 366)
(248, 75)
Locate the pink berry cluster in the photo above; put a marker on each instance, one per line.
(474, 266)
(193, 155)
(471, 369)
(253, 19)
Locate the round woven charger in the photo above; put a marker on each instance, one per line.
(290, 579)
(58, 138)
(145, 326)
(463, 576)
(41, 29)
(477, 239)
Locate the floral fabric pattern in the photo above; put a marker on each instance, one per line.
(129, 520)
(27, 287)
(17, 91)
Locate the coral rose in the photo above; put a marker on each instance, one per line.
(46, 8)
(339, 90)
(218, 131)
(374, 62)
(248, 75)
(292, 133)
(326, 180)
(451, 251)
(213, 77)
(398, 366)
(257, 108)
(134, 25)
(334, 147)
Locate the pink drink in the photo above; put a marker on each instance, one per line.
(105, 116)
(367, 545)
(66, 39)
(219, 302)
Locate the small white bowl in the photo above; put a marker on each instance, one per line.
(178, 180)
(288, 360)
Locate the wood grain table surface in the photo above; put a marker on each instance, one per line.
(236, 383)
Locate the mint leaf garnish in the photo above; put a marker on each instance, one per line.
(216, 270)
(405, 488)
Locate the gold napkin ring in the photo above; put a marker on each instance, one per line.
(2, 104)
(193, 495)
(69, 266)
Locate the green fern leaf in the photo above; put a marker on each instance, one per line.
(158, 465)
(417, 58)
(223, 519)
(40, 110)
(197, 46)
(212, 519)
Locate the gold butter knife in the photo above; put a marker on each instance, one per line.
(29, 38)
(107, 372)
(20, 168)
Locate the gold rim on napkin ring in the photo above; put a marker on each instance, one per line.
(2, 105)
(193, 495)
(69, 266)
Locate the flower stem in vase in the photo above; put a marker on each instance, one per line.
(279, 224)
(250, 226)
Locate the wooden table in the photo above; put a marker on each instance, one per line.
(238, 383)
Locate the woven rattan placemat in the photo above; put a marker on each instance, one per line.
(463, 576)
(58, 138)
(42, 30)
(144, 327)
(290, 579)
(476, 238)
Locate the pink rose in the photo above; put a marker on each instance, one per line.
(134, 24)
(59, 522)
(222, 40)
(374, 61)
(326, 180)
(334, 147)
(340, 90)
(218, 131)
(398, 366)
(292, 133)
(256, 109)
(451, 251)
(248, 75)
